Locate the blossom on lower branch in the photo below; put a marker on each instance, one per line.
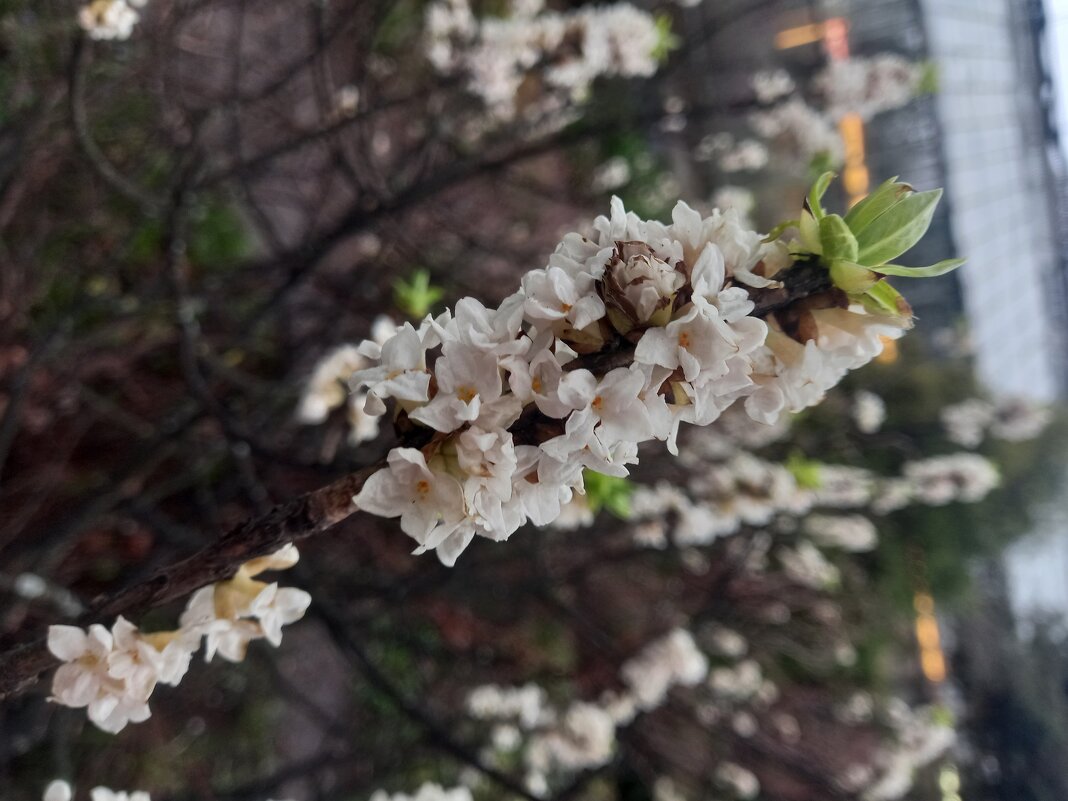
(624, 335)
(60, 790)
(113, 672)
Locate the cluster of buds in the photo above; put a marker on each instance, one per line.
(624, 335)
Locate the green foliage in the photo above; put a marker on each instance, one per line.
(217, 235)
(416, 296)
(608, 492)
(929, 79)
(401, 26)
(806, 472)
(666, 40)
(857, 248)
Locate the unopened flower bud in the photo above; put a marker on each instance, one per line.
(639, 287)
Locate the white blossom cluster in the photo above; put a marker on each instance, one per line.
(1012, 419)
(536, 62)
(808, 128)
(939, 480)
(804, 131)
(770, 85)
(427, 792)
(920, 737)
(327, 388)
(60, 790)
(113, 672)
(553, 743)
(517, 406)
(110, 19)
(868, 86)
(853, 533)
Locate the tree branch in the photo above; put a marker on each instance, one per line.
(317, 511)
(303, 517)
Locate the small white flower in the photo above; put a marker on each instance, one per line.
(58, 790)
(430, 504)
(869, 412)
(553, 295)
(104, 794)
(401, 374)
(469, 389)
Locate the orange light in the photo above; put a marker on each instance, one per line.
(855, 177)
(799, 36)
(927, 634)
(890, 352)
(933, 665)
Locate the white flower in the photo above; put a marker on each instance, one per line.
(104, 794)
(869, 412)
(740, 781)
(430, 504)
(742, 681)
(469, 389)
(488, 460)
(612, 420)
(538, 381)
(526, 704)
(770, 85)
(868, 86)
(806, 565)
(230, 614)
(672, 660)
(612, 174)
(57, 790)
(275, 607)
(585, 738)
(848, 532)
(84, 679)
(109, 19)
(938, 480)
(553, 295)
(401, 374)
(328, 386)
(142, 660)
(966, 422)
(427, 792)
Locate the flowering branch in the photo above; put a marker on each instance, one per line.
(298, 519)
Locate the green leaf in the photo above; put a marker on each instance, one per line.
(941, 268)
(837, 240)
(780, 229)
(866, 211)
(806, 472)
(416, 296)
(851, 278)
(810, 233)
(608, 492)
(929, 79)
(898, 228)
(884, 299)
(816, 193)
(666, 40)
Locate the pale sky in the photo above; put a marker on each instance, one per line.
(1057, 12)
